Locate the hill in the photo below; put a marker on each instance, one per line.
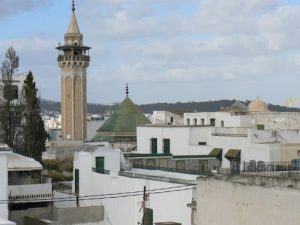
(179, 107)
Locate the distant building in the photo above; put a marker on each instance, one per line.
(233, 136)
(120, 128)
(73, 60)
(17, 85)
(292, 102)
(166, 118)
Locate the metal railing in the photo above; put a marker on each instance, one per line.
(284, 168)
(204, 171)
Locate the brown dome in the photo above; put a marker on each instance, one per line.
(258, 106)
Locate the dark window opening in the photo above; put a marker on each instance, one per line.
(195, 121)
(100, 164)
(212, 122)
(77, 181)
(188, 122)
(14, 92)
(202, 121)
(260, 127)
(202, 143)
(154, 146)
(166, 146)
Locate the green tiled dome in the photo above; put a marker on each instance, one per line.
(122, 123)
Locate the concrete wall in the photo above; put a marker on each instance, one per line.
(221, 202)
(75, 215)
(278, 120)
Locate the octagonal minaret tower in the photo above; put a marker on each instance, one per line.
(73, 59)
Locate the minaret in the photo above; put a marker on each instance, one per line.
(73, 59)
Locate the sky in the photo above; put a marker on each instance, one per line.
(166, 50)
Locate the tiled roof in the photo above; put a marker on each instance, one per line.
(124, 120)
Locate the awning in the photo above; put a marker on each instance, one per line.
(216, 152)
(233, 154)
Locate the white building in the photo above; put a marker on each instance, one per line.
(105, 177)
(26, 185)
(240, 135)
(17, 85)
(166, 118)
(4, 186)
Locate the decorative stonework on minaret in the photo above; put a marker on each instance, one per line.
(73, 59)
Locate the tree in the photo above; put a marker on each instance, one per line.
(10, 107)
(34, 134)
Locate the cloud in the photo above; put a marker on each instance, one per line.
(216, 43)
(12, 7)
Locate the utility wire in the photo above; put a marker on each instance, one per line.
(107, 196)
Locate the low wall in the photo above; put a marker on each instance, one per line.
(226, 202)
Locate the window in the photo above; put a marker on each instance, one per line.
(153, 146)
(212, 122)
(100, 164)
(188, 122)
(77, 181)
(260, 127)
(15, 93)
(222, 123)
(171, 120)
(195, 121)
(202, 143)
(166, 146)
(202, 121)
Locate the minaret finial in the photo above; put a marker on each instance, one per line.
(127, 90)
(73, 6)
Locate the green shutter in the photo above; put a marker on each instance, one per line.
(260, 127)
(166, 146)
(77, 181)
(100, 164)
(153, 146)
(148, 216)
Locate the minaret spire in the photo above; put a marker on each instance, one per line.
(73, 6)
(127, 90)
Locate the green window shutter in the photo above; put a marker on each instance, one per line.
(166, 146)
(148, 216)
(100, 164)
(153, 146)
(260, 127)
(77, 181)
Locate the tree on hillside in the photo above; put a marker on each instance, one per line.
(34, 134)
(10, 106)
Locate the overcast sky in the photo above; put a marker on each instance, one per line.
(167, 50)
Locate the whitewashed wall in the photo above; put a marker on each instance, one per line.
(3, 185)
(228, 119)
(170, 206)
(278, 120)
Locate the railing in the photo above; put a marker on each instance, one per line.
(73, 58)
(230, 131)
(28, 192)
(285, 168)
(174, 170)
(157, 178)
